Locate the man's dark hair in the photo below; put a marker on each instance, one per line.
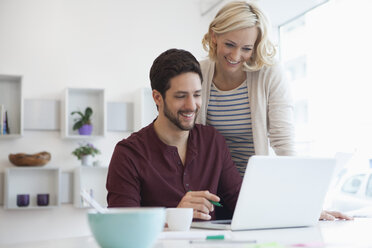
(170, 64)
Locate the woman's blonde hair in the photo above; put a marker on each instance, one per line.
(238, 15)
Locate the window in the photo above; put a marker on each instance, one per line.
(352, 185)
(326, 54)
(369, 187)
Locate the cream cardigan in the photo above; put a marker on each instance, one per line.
(271, 108)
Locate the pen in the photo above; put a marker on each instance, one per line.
(214, 202)
(215, 237)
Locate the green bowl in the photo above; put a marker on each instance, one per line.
(127, 227)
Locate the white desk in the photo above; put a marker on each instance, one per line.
(355, 233)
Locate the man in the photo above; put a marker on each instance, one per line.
(174, 162)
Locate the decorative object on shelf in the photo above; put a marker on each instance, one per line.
(42, 199)
(23, 159)
(4, 127)
(83, 123)
(85, 153)
(86, 129)
(2, 114)
(86, 160)
(23, 200)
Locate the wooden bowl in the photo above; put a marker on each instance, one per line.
(23, 159)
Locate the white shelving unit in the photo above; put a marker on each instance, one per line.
(144, 108)
(93, 180)
(32, 181)
(11, 98)
(77, 99)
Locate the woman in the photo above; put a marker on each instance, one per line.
(245, 94)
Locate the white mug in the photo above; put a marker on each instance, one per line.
(179, 219)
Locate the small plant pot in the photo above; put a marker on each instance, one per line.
(87, 160)
(86, 129)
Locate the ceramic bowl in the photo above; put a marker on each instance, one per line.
(127, 227)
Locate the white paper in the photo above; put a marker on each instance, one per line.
(192, 235)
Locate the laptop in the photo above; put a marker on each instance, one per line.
(279, 192)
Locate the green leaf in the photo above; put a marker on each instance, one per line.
(88, 112)
(77, 125)
(77, 112)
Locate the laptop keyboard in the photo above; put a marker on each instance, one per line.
(222, 222)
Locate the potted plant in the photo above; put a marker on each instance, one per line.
(83, 123)
(85, 153)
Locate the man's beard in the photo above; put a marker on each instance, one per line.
(175, 120)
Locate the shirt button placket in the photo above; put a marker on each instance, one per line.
(186, 181)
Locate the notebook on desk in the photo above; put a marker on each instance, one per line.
(279, 192)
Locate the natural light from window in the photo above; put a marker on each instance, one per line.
(327, 57)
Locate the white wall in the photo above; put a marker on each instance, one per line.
(82, 43)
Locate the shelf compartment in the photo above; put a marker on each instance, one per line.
(93, 180)
(32, 181)
(77, 99)
(11, 97)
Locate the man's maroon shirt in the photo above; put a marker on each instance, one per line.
(146, 172)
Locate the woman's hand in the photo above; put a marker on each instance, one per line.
(200, 202)
(333, 215)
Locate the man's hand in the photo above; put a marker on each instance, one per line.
(199, 201)
(333, 215)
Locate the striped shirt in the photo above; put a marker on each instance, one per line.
(229, 112)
